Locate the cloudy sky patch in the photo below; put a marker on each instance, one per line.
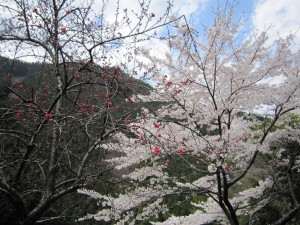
(282, 17)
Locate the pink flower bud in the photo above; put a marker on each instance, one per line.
(156, 150)
(169, 84)
(77, 75)
(181, 151)
(19, 114)
(109, 104)
(156, 125)
(48, 116)
(168, 162)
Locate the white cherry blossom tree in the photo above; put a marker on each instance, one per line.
(209, 88)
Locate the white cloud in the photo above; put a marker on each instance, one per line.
(158, 7)
(281, 15)
(188, 7)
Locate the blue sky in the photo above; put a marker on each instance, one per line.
(279, 16)
(205, 15)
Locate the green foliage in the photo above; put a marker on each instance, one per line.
(292, 120)
(180, 167)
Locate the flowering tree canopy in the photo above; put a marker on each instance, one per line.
(54, 121)
(206, 140)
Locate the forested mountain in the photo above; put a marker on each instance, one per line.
(19, 68)
(16, 71)
(13, 71)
